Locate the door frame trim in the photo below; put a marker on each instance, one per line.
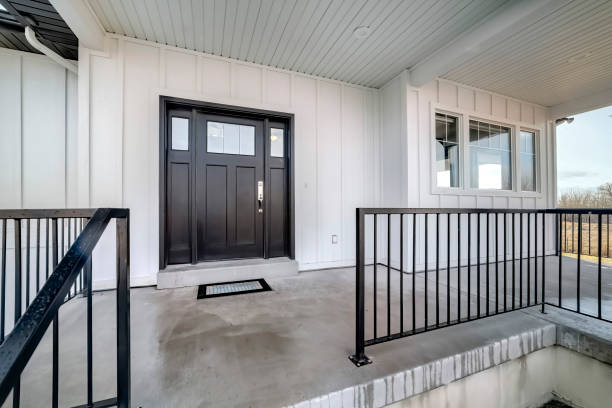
(164, 103)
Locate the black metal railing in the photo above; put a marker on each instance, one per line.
(586, 228)
(436, 268)
(70, 237)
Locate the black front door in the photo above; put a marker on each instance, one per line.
(226, 186)
(229, 173)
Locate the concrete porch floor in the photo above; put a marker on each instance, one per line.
(255, 350)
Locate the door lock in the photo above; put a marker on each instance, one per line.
(260, 196)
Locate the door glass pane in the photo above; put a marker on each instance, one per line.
(229, 138)
(247, 140)
(180, 134)
(277, 142)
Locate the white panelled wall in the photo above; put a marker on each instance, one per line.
(354, 146)
(336, 144)
(38, 114)
(408, 160)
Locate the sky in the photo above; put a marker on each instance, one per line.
(584, 151)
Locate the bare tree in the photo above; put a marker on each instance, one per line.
(595, 198)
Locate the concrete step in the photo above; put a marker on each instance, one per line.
(176, 276)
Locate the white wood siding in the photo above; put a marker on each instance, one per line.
(38, 113)
(336, 134)
(407, 177)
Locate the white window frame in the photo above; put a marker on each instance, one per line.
(538, 168)
(464, 116)
(460, 143)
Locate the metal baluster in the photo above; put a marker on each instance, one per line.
(598, 265)
(47, 250)
(589, 234)
(521, 261)
(535, 266)
(505, 262)
(578, 263)
(3, 277)
(496, 262)
(388, 274)
(528, 259)
(425, 272)
(37, 255)
(488, 261)
(17, 314)
(448, 287)
(55, 357)
(513, 261)
(413, 272)
(458, 267)
(375, 275)
(469, 265)
(401, 273)
(478, 270)
(543, 261)
(88, 271)
(27, 285)
(561, 258)
(437, 269)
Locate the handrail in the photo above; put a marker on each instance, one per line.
(21, 343)
(54, 213)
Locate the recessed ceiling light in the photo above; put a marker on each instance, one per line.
(362, 32)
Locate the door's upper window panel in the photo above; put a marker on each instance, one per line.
(180, 133)
(277, 142)
(229, 138)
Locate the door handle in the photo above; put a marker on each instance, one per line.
(260, 196)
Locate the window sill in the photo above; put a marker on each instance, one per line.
(458, 191)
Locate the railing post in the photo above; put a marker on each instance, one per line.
(543, 259)
(359, 358)
(123, 312)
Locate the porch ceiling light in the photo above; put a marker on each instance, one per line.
(362, 32)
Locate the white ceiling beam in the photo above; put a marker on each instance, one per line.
(501, 24)
(83, 23)
(583, 104)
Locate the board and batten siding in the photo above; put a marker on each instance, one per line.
(38, 118)
(407, 156)
(336, 143)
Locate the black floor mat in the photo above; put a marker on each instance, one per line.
(211, 290)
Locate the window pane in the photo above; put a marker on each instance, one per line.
(483, 134)
(490, 169)
(230, 138)
(447, 164)
(528, 175)
(495, 131)
(504, 138)
(277, 142)
(180, 134)
(247, 140)
(440, 127)
(473, 132)
(527, 142)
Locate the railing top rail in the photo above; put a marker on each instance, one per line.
(42, 213)
(374, 210)
(20, 344)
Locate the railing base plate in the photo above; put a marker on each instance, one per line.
(360, 360)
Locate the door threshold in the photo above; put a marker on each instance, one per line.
(177, 276)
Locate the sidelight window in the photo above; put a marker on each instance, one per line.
(229, 138)
(180, 133)
(277, 142)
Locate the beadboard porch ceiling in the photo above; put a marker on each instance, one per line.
(562, 53)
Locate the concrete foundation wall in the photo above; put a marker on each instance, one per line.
(526, 382)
